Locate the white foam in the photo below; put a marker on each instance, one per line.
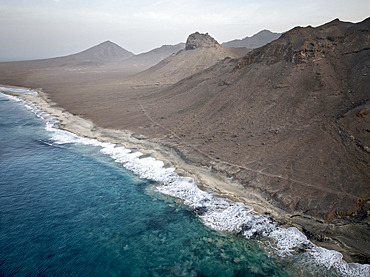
(290, 241)
(216, 212)
(19, 90)
(14, 98)
(224, 215)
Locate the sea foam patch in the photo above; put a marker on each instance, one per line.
(19, 90)
(14, 98)
(217, 212)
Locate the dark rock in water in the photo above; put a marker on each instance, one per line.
(246, 226)
(200, 210)
(304, 246)
(198, 40)
(145, 156)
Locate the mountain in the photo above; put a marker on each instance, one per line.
(258, 40)
(100, 64)
(201, 51)
(290, 107)
(101, 53)
(106, 52)
(290, 121)
(145, 60)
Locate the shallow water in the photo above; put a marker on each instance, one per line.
(67, 208)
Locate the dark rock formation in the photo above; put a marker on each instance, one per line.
(198, 40)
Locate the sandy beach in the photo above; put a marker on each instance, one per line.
(205, 177)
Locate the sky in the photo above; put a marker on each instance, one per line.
(33, 29)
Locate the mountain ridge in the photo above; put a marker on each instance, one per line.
(145, 60)
(257, 40)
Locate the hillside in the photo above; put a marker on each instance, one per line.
(300, 88)
(201, 51)
(289, 120)
(258, 40)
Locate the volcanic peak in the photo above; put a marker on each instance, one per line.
(198, 40)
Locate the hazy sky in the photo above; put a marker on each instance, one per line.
(47, 28)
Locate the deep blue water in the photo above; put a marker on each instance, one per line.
(68, 210)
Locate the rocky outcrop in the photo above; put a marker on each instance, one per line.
(198, 40)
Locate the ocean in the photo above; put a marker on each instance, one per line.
(71, 206)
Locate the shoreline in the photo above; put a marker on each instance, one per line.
(206, 178)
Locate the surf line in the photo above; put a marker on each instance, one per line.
(214, 211)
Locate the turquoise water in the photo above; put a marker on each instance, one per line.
(68, 210)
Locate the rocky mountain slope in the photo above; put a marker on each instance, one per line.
(290, 120)
(201, 51)
(289, 104)
(258, 40)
